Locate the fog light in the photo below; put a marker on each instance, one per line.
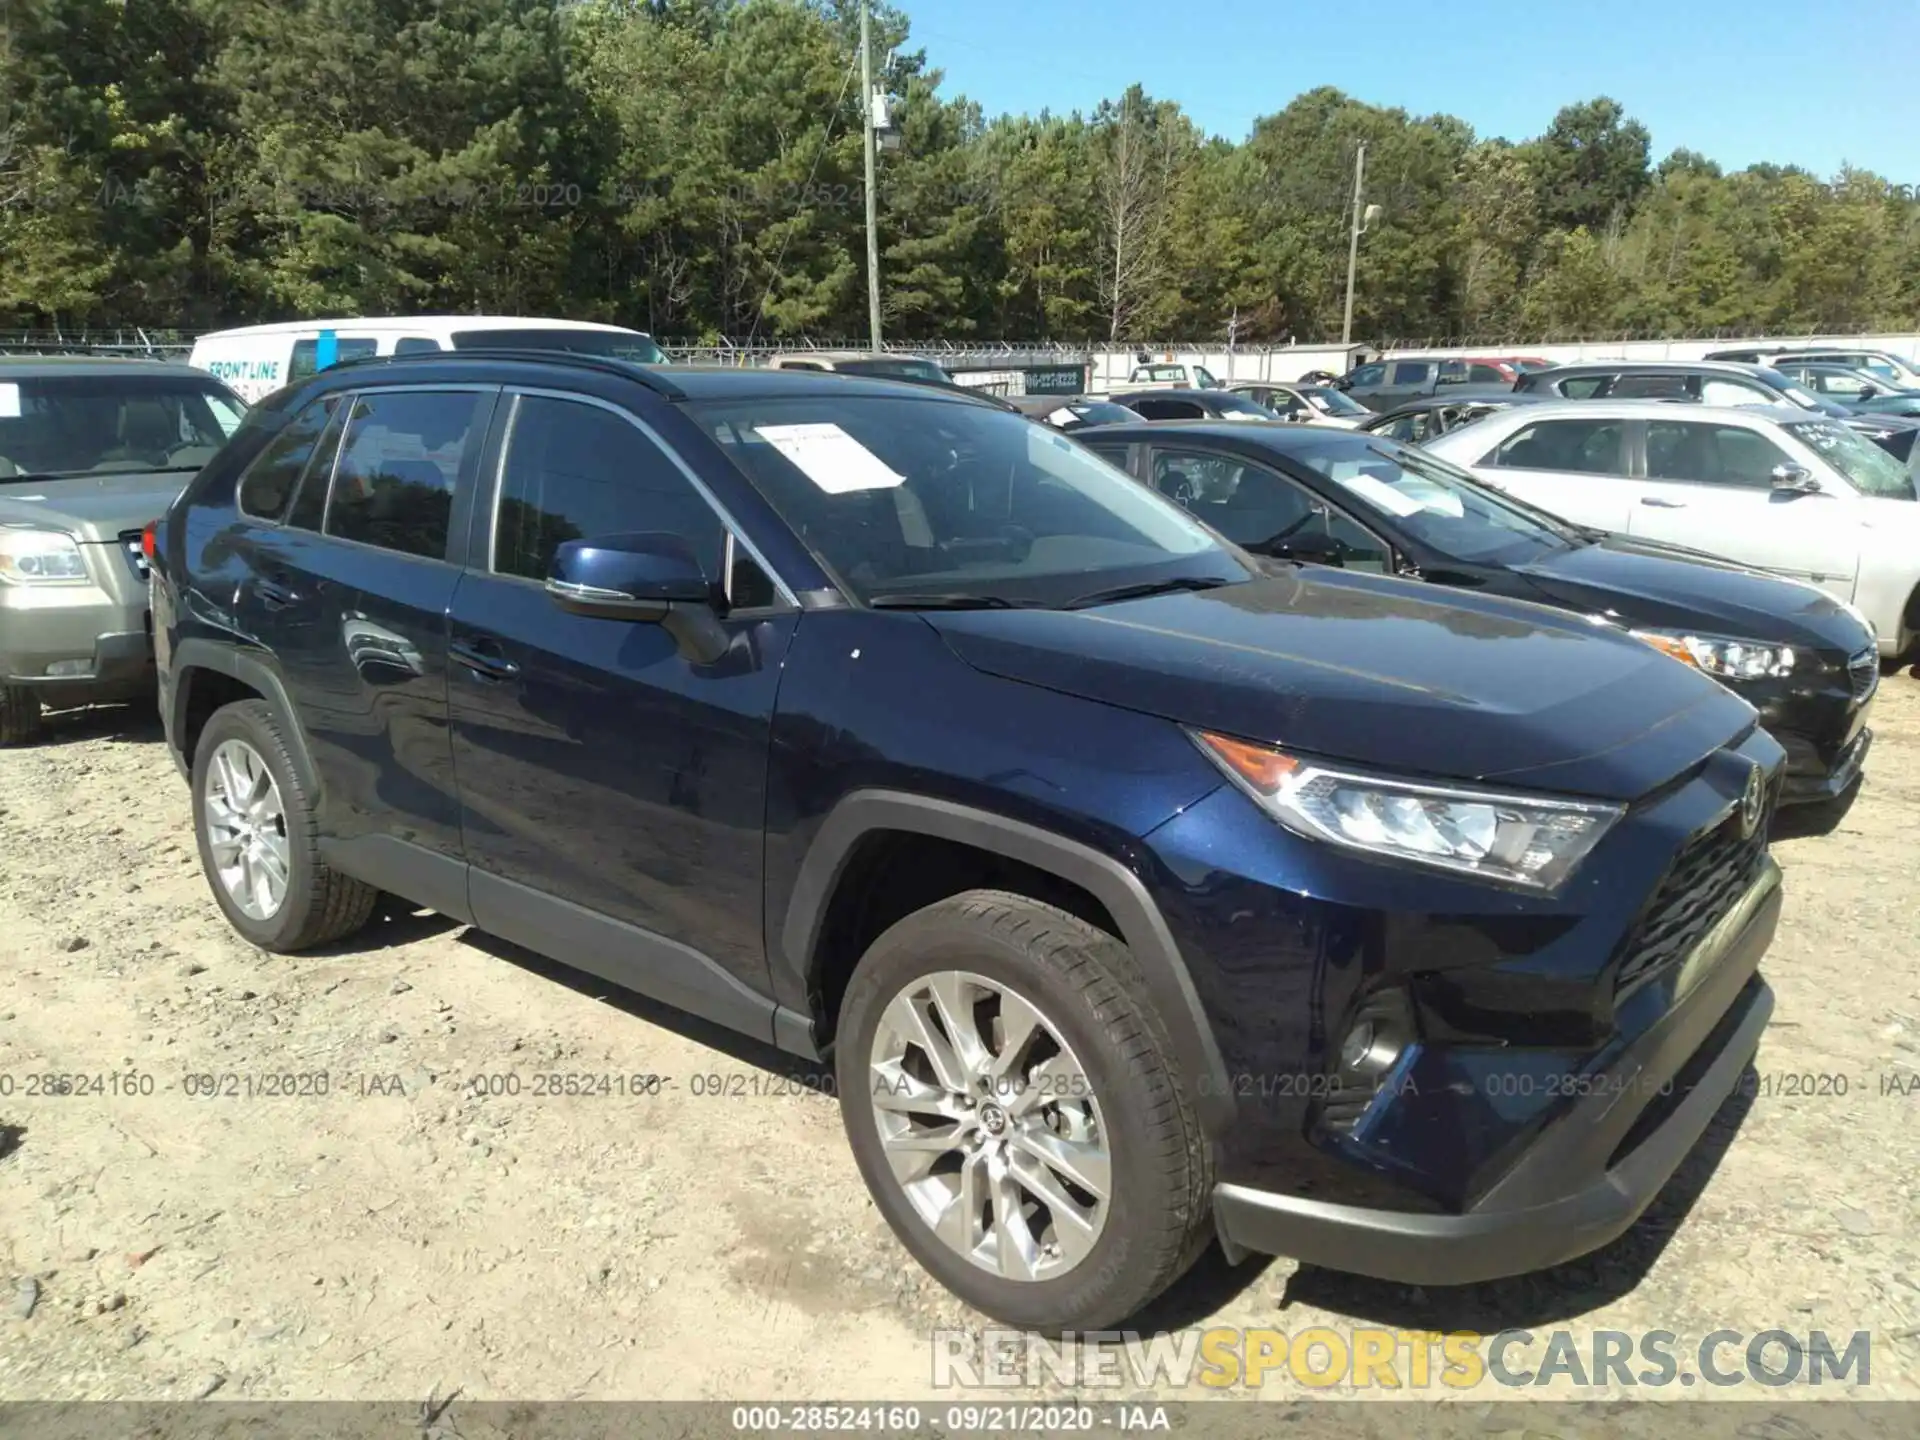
(1353, 1050)
(1380, 1037)
(64, 668)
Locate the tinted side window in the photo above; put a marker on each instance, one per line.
(1369, 375)
(415, 345)
(1412, 372)
(1649, 387)
(1486, 375)
(1711, 454)
(399, 465)
(1168, 409)
(306, 355)
(575, 472)
(1582, 387)
(270, 481)
(1589, 447)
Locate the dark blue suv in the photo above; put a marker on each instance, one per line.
(1138, 888)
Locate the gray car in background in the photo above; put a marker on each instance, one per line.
(1390, 383)
(91, 450)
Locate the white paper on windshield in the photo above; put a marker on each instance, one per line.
(1380, 493)
(1062, 417)
(9, 402)
(830, 457)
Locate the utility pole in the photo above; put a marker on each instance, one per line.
(873, 212)
(1353, 239)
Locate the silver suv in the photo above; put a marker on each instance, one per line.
(91, 450)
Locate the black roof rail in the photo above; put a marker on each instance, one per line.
(625, 369)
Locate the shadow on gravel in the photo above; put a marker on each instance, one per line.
(1548, 1297)
(1807, 822)
(1543, 1299)
(395, 922)
(10, 1138)
(125, 724)
(813, 1074)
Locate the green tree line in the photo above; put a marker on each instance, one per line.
(694, 168)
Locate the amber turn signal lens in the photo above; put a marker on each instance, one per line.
(1667, 645)
(1259, 766)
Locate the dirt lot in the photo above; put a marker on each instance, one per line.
(399, 1235)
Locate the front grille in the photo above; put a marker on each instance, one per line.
(135, 552)
(1709, 875)
(1863, 672)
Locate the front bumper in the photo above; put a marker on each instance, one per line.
(1591, 1174)
(80, 644)
(1816, 783)
(1821, 723)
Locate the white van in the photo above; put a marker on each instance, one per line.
(259, 359)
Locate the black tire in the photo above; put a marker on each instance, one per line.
(1089, 986)
(19, 715)
(321, 904)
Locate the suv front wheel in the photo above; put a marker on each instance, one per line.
(258, 841)
(1005, 1086)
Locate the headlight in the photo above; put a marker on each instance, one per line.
(1724, 658)
(40, 557)
(1509, 839)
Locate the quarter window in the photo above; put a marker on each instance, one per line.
(1586, 447)
(400, 464)
(1582, 387)
(415, 345)
(269, 482)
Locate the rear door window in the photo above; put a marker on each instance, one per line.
(1168, 409)
(1582, 387)
(400, 464)
(415, 345)
(1412, 372)
(1650, 387)
(1586, 447)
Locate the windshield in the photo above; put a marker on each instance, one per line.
(1438, 505)
(1329, 401)
(905, 497)
(1799, 394)
(619, 344)
(1092, 412)
(903, 369)
(100, 423)
(1868, 468)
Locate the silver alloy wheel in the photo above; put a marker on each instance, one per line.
(247, 830)
(990, 1125)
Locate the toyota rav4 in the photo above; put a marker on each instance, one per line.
(1138, 890)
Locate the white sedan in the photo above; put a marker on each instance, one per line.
(1779, 489)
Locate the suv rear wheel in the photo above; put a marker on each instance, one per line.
(258, 845)
(1005, 1086)
(19, 715)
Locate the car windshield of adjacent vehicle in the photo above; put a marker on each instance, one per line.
(1797, 393)
(617, 345)
(924, 371)
(1868, 468)
(1090, 412)
(1329, 401)
(914, 502)
(1442, 507)
(68, 425)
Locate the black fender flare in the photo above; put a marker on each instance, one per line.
(200, 654)
(1115, 886)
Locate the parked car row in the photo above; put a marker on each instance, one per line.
(1197, 827)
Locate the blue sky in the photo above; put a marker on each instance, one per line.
(1813, 84)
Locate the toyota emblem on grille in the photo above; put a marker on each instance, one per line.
(1752, 802)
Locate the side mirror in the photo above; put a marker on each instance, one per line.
(651, 578)
(1794, 480)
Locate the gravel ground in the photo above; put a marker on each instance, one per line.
(402, 1235)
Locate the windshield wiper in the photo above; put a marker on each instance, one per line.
(956, 601)
(1148, 587)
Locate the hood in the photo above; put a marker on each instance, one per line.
(1386, 673)
(1640, 582)
(92, 507)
